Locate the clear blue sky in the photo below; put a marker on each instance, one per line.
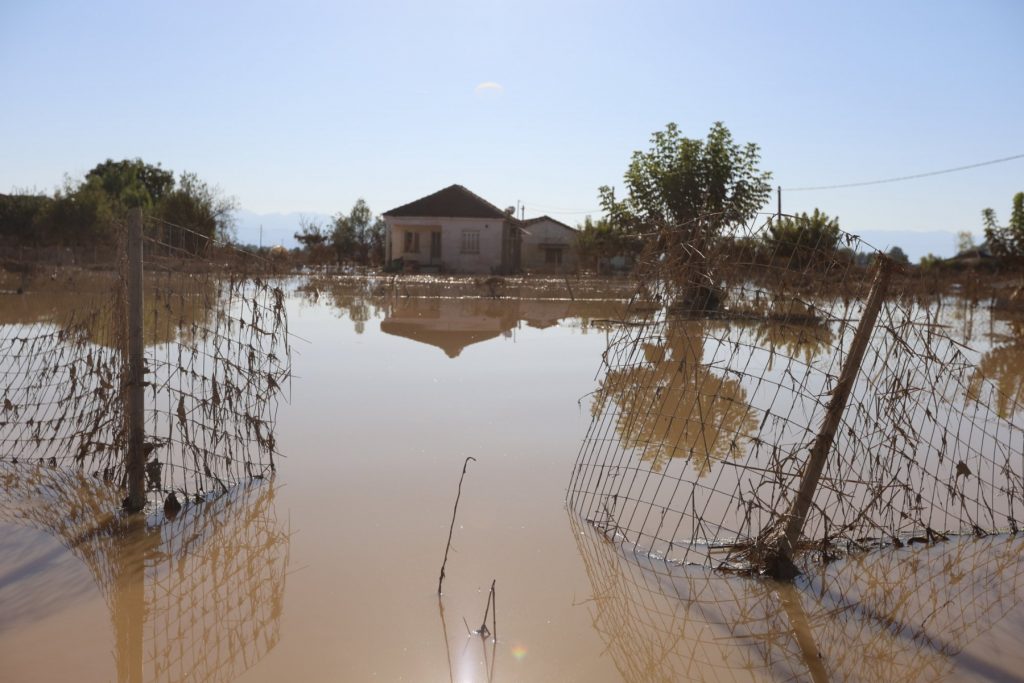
(305, 107)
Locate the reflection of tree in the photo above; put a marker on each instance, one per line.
(671, 405)
(358, 299)
(195, 597)
(174, 305)
(792, 340)
(888, 615)
(1003, 365)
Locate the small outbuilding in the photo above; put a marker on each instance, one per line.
(548, 246)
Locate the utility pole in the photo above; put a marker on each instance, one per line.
(778, 191)
(261, 237)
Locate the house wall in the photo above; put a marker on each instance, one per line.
(492, 232)
(547, 233)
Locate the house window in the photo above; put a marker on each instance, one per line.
(553, 256)
(412, 242)
(470, 242)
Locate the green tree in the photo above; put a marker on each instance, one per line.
(804, 238)
(898, 256)
(697, 187)
(1006, 240)
(315, 240)
(929, 262)
(78, 215)
(200, 208)
(358, 236)
(600, 240)
(965, 240)
(19, 212)
(133, 182)
(89, 211)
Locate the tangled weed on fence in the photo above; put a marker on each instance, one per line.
(216, 360)
(717, 385)
(196, 597)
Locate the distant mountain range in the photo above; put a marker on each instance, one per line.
(277, 228)
(914, 244)
(280, 228)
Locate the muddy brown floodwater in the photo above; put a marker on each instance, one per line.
(328, 572)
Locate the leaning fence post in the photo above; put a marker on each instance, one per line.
(135, 458)
(778, 560)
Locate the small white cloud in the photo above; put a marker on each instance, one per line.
(489, 88)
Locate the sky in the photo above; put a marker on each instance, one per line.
(305, 107)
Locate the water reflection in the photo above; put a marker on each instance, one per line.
(174, 305)
(905, 614)
(806, 341)
(195, 594)
(1003, 364)
(452, 314)
(453, 324)
(673, 405)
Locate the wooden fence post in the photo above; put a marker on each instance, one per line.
(778, 560)
(135, 457)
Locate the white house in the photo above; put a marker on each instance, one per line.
(454, 230)
(548, 246)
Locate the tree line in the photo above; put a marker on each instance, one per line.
(706, 189)
(89, 211)
(357, 237)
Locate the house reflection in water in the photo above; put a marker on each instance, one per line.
(452, 324)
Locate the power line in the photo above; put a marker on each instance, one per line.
(905, 177)
(556, 209)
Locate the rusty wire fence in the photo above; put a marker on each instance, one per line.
(748, 360)
(211, 332)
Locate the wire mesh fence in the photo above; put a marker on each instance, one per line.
(908, 614)
(195, 597)
(722, 381)
(216, 360)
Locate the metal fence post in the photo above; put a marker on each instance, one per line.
(135, 458)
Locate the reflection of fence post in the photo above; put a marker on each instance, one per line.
(128, 596)
(779, 559)
(135, 458)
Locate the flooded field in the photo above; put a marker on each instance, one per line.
(328, 570)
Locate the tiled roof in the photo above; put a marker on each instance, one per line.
(454, 201)
(538, 219)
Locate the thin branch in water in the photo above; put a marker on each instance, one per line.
(451, 529)
(483, 631)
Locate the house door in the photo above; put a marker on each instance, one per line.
(435, 246)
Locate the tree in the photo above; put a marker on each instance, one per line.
(18, 216)
(200, 208)
(804, 238)
(133, 182)
(599, 241)
(1006, 240)
(898, 256)
(681, 196)
(79, 214)
(314, 238)
(375, 238)
(698, 187)
(91, 210)
(358, 236)
(965, 240)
